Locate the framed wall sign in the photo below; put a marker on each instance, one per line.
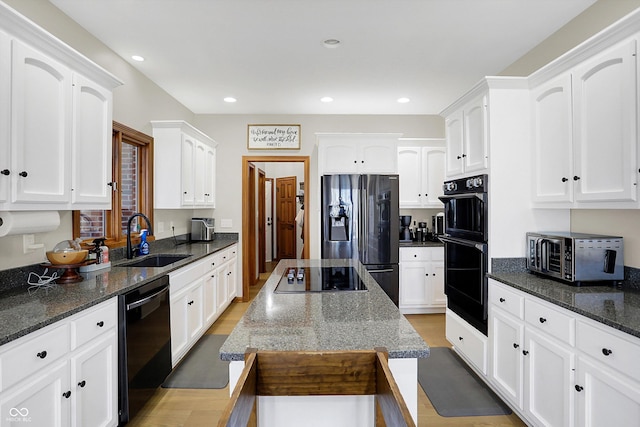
(273, 137)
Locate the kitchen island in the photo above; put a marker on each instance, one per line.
(326, 321)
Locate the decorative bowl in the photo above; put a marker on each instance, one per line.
(67, 258)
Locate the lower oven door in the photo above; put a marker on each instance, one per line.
(465, 280)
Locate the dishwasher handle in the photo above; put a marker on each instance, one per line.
(145, 300)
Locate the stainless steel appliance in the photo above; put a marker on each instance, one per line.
(202, 229)
(320, 279)
(144, 348)
(576, 257)
(437, 224)
(465, 239)
(360, 221)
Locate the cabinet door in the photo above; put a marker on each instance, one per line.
(338, 157)
(199, 174)
(5, 116)
(377, 157)
(94, 383)
(195, 311)
(188, 173)
(506, 341)
(231, 281)
(41, 400)
(549, 376)
(221, 288)
(91, 145)
(475, 135)
(210, 283)
(437, 297)
(433, 162)
(179, 326)
(605, 117)
(210, 177)
(605, 397)
(414, 290)
(40, 135)
(553, 138)
(410, 171)
(454, 130)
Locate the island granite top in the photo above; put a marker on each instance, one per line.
(323, 321)
(609, 305)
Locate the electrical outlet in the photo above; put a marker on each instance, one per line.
(29, 243)
(226, 223)
(160, 227)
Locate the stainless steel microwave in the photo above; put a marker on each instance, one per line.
(576, 257)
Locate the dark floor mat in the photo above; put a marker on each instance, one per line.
(201, 367)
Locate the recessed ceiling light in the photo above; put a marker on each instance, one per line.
(230, 99)
(331, 43)
(403, 100)
(137, 58)
(326, 99)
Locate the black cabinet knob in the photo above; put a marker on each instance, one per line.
(190, 303)
(5, 172)
(23, 174)
(516, 345)
(42, 354)
(579, 388)
(606, 351)
(575, 177)
(82, 383)
(460, 338)
(525, 352)
(502, 300)
(67, 394)
(458, 157)
(542, 320)
(100, 324)
(565, 179)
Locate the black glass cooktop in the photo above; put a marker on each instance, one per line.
(320, 279)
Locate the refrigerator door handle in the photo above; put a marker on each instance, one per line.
(384, 270)
(364, 232)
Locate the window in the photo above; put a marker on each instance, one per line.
(132, 190)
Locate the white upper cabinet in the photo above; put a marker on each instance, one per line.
(91, 144)
(585, 132)
(421, 171)
(357, 153)
(190, 182)
(40, 131)
(466, 130)
(55, 120)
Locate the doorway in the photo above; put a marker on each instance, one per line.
(249, 217)
(286, 217)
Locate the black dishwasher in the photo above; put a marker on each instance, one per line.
(144, 345)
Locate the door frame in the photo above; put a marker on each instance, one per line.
(248, 244)
(262, 177)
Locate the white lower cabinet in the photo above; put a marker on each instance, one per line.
(198, 294)
(422, 280)
(75, 387)
(467, 341)
(557, 368)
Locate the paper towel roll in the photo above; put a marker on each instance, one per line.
(28, 222)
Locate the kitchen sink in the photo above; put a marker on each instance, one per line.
(158, 260)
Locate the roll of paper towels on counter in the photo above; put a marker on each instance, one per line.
(28, 222)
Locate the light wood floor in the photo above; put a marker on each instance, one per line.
(202, 408)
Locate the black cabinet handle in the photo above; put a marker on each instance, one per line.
(515, 345)
(100, 324)
(355, 161)
(579, 388)
(5, 172)
(458, 157)
(82, 383)
(460, 338)
(542, 320)
(42, 354)
(502, 300)
(525, 352)
(565, 179)
(23, 174)
(190, 302)
(575, 177)
(606, 351)
(67, 394)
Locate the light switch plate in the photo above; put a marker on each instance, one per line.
(226, 223)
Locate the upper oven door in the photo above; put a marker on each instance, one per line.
(466, 216)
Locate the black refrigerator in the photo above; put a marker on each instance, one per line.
(360, 220)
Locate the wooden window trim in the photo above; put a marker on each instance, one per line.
(145, 197)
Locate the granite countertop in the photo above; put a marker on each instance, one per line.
(23, 311)
(610, 305)
(323, 321)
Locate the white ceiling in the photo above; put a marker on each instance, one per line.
(269, 53)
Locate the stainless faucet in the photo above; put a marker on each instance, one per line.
(149, 227)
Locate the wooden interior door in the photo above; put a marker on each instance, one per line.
(286, 216)
(261, 222)
(253, 273)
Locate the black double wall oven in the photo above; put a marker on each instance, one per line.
(466, 248)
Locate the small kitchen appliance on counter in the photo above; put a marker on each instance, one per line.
(405, 229)
(202, 229)
(576, 257)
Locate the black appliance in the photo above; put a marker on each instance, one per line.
(360, 221)
(405, 228)
(144, 351)
(466, 248)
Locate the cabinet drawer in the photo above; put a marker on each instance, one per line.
(551, 321)
(508, 300)
(471, 343)
(232, 253)
(187, 275)
(609, 347)
(415, 254)
(93, 322)
(209, 263)
(32, 353)
(437, 254)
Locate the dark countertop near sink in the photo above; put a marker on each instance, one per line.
(611, 305)
(323, 321)
(22, 312)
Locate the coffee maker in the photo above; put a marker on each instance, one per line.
(405, 230)
(421, 232)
